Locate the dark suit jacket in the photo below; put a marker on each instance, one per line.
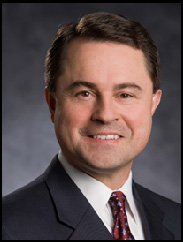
(53, 208)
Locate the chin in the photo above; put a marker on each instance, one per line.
(104, 164)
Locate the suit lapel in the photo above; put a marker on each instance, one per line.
(80, 219)
(91, 227)
(152, 216)
(72, 207)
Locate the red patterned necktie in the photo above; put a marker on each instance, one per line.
(121, 230)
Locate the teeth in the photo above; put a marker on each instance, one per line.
(106, 136)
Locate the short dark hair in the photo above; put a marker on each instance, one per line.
(101, 27)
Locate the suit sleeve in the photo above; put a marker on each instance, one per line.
(5, 236)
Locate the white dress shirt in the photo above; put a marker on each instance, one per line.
(98, 196)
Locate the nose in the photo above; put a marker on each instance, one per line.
(105, 110)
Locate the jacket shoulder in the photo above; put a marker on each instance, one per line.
(166, 204)
(29, 213)
(19, 206)
(170, 208)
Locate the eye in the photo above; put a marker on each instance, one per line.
(83, 94)
(125, 95)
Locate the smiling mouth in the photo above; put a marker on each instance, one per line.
(105, 137)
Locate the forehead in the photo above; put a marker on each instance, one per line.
(104, 62)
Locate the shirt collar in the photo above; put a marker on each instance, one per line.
(127, 190)
(95, 191)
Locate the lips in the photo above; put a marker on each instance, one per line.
(115, 133)
(105, 137)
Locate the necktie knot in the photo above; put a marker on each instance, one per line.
(121, 230)
(117, 202)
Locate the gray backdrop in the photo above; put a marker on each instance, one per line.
(29, 141)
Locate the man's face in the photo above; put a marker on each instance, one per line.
(103, 106)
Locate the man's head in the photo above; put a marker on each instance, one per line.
(102, 78)
(101, 27)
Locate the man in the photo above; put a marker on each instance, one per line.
(102, 89)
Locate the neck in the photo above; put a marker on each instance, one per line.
(112, 179)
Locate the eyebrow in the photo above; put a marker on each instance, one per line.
(81, 83)
(127, 85)
(92, 85)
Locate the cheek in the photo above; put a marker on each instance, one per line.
(70, 119)
(140, 122)
(77, 116)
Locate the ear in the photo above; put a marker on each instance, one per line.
(156, 100)
(51, 101)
